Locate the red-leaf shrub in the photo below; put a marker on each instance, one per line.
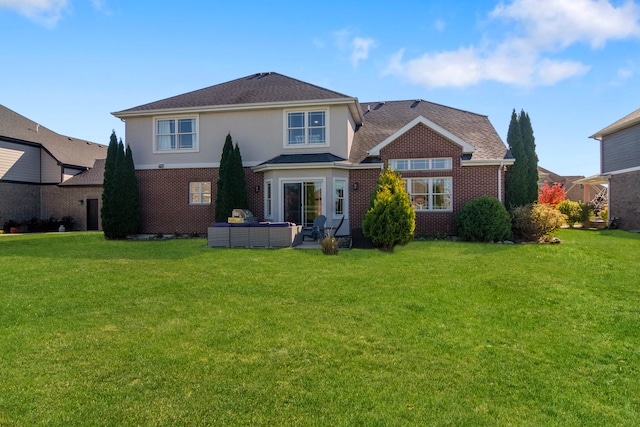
(551, 194)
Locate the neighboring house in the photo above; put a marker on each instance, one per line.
(308, 151)
(576, 187)
(37, 164)
(620, 163)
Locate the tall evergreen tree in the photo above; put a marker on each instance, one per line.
(239, 182)
(109, 193)
(120, 198)
(223, 203)
(529, 143)
(516, 176)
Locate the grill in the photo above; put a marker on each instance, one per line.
(241, 215)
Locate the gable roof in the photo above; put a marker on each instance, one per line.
(66, 150)
(253, 90)
(93, 176)
(383, 120)
(625, 122)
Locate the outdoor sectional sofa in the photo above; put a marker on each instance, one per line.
(253, 234)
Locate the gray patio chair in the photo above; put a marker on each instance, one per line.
(316, 231)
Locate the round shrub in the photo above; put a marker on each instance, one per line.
(572, 210)
(484, 219)
(532, 222)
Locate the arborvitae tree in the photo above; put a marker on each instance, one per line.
(109, 191)
(516, 176)
(529, 143)
(132, 194)
(239, 182)
(120, 198)
(391, 219)
(231, 187)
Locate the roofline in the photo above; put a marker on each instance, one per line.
(615, 129)
(354, 107)
(45, 149)
(466, 147)
(315, 165)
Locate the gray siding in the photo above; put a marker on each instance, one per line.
(19, 162)
(621, 150)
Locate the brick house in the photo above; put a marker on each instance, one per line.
(44, 174)
(307, 151)
(620, 165)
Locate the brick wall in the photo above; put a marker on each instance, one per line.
(624, 196)
(19, 202)
(59, 202)
(164, 199)
(469, 182)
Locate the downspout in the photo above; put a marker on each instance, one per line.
(500, 180)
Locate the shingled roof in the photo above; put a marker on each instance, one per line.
(625, 122)
(254, 89)
(90, 177)
(382, 119)
(66, 150)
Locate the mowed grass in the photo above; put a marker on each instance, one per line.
(96, 332)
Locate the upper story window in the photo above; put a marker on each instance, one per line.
(176, 134)
(441, 163)
(306, 128)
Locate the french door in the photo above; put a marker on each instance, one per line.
(302, 201)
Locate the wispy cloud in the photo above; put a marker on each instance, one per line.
(356, 47)
(528, 54)
(360, 49)
(45, 12)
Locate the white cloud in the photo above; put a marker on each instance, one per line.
(46, 12)
(360, 49)
(540, 28)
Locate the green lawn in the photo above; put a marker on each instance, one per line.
(96, 332)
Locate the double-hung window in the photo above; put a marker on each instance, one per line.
(176, 134)
(306, 128)
(268, 199)
(200, 193)
(430, 194)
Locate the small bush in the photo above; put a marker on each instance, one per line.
(484, 219)
(586, 211)
(532, 222)
(390, 219)
(572, 210)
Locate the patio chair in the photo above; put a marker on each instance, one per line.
(316, 231)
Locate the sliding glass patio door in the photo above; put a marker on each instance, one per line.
(302, 201)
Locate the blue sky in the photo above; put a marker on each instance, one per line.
(573, 65)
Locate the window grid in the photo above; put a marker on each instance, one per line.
(176, 134)
(200, 193)
(430, 194)
(306, 128)
(339, 197)
(438, 163)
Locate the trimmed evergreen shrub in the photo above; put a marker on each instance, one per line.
(532, 222)
(484, 219)
(391, 219)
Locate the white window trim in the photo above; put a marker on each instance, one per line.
(196, 147)
(191, 202)
(429, 160)
(345, 196)
(429, 194)
(306, 111)
(268, 184)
